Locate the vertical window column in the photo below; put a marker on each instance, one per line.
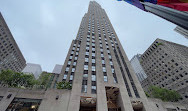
(111, 62)
(123, 74)
(72, 62)
(93, 68)
(85, 72)
(103, 61)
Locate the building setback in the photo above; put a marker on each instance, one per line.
(166, 65)
(135, 62)
(34, 69)
(52, 79)
(10, 54)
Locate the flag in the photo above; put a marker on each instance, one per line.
(181, 5)
(151, 1)
(135, 3)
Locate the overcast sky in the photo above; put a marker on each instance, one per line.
(44, 29)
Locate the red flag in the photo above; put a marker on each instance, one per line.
(181, 5)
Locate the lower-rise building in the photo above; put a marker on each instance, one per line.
(57, 69)
(166, 66)
(10, 55)
(137, 67)
(34, 69)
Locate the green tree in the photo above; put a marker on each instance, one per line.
(44, 78)
(64, 85)
(147, 94)
(159, 44)
(16, 79)
(164, 94)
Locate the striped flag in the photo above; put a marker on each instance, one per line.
(181, 5)
(135, 3)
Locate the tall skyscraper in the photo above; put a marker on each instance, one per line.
(57, 69)
(135, 62)
(98, 69)
(10, 54)
(166, 65)
(34, 69)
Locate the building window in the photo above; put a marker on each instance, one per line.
(93, 77)
(93, 60)
(93, 68)
(73, 69)
(67, 69)
(87, 53)
(105, 79)
(65, 76)
(109, 56)
(75, 58)
(71, 77)
(102, 55)
(111, 63)
(70, 57)
(104, 69)
(87, 48)
(108, 51)
(103, 62)
(85, 67)
(113, 71)
(93, 89)
(86, 63)
(86, 59)
(93, 54)
(74, 63)
(84, 88)
(85, 76)
(69, 62)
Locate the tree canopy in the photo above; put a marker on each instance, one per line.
(16, 79)
(63, 85)
(44, 78)
(164, 94)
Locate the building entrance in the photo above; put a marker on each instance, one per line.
(112, 98)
